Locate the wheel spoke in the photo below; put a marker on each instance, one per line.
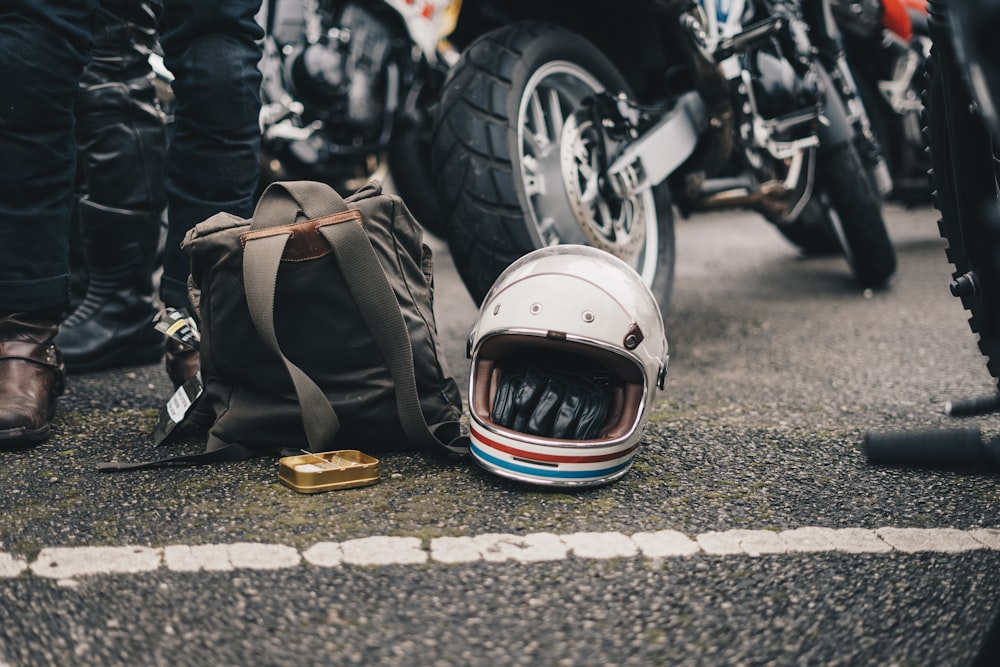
(602, 218)
(621, 227)
(555, 112)
(539, 128)
(534, 181)
(587, 171)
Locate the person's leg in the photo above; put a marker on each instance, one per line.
(121, 137)
(212, 49)
(43, 47)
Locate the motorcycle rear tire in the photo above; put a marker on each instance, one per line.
(856, 212)
(497, 205)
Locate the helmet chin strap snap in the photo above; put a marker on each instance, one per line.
(633, 337)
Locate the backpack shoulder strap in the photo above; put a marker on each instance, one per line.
(378, 306)
(231, 452)
(261, 260)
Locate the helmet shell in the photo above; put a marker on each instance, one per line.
(579, 309)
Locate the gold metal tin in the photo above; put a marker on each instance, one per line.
(327, 471)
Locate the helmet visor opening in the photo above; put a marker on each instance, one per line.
(562, 390)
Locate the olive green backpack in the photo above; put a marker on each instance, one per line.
(317, 329)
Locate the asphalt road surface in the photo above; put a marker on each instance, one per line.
(751, 530)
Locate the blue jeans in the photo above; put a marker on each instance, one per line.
(212, 48)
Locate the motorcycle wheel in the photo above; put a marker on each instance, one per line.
(855, 210)
(515, 166)
(812, 232)
(409, 157)
(964, 174)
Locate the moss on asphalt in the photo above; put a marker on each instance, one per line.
(703, 466)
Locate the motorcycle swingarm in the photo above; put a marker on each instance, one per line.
(661, 149)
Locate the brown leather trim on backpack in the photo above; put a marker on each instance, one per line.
(305, 242)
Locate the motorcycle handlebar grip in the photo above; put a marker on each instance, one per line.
(973, 406)
(950, 447)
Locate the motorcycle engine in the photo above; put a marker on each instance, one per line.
(329, 83)
(342, 70)
(778, 89)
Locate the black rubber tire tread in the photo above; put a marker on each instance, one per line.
(474, 149)
(409, 160)
(812, 232)
(983, 308)
(844, 180)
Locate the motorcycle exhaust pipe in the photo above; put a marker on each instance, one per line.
(717, 193)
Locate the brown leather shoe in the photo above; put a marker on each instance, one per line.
(182, 362)
(32, 375)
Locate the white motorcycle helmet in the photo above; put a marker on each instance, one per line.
(567, 353)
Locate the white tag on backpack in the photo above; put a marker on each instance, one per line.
(177, 407)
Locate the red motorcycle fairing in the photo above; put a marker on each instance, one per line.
(896, 17)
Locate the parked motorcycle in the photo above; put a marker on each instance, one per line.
(962, 122)
(963, 127)
(571, 123)
(347, 89)
(962, 114)
(887, 44)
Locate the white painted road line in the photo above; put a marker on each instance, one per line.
(381, 550)
(988, 536)
(220, 557)
(11, 566)
(600, 545)
(67, 563)
(945, 539)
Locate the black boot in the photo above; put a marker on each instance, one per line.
(121, 137)
(115, 324)
(31, 376)
(77, 262)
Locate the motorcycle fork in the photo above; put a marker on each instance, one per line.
(842, 91)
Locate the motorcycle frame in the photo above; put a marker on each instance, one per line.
(731, 23)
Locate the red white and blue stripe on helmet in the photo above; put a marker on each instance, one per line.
(547, 464)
